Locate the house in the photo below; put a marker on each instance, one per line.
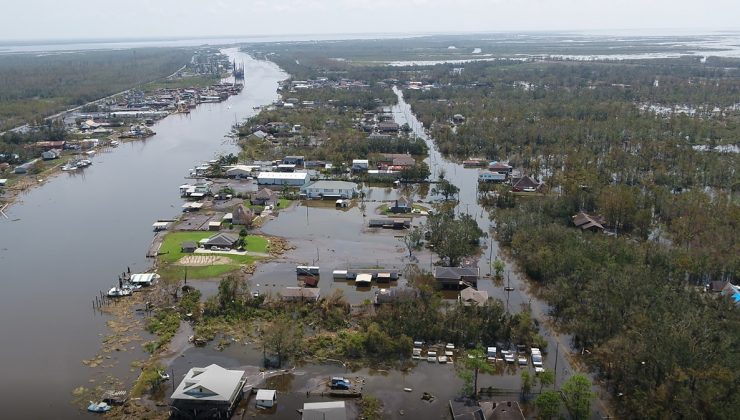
(394, 294)
(500, 167)
(456, 277)
(360, 165)
(208, 392)
(294, 160)
(491, 177)
(214, 225)
(50, 154)
(472, 297)
(329, 410)
(524, 184)
(266, 398)
(221, 240)
(49, 145)
(24, 168)
(388, 127)
(286, 167)
(292, 294)
(241, 171)
(466, 409)
(733, 292)
(264, 197)
(389, 223)
(242, 216)
(293, 179)
(587, 222)
(378, 136)
(402, 205)
(260, 134)
(403, 161)
(330, 189)
(188, 247)
(506, 410)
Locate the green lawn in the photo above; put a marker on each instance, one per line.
(171, 247)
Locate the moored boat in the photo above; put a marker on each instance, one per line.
(100, 407)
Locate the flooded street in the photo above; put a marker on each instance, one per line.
(67, 240)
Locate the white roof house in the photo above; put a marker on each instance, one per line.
(297, 179)
(330, 410)
(211, 383)
(330, 189)
(266, 397)
(241, 170)
(360, 164)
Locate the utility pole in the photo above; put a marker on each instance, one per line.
(557, 352)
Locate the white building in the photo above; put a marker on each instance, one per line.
(209, 389)
(266, 398)
(360, 164)
(294, 179)
(241, 171)
(330, 189)
(329, 410)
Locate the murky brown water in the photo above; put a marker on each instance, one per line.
(68, 239)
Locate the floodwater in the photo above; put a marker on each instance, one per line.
(68, 239)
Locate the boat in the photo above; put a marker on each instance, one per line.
(114, 143)
(70, 166)
(116, 292)
(100, 407)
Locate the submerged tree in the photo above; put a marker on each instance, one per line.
(474, 363)
(453, 238)
(578, 394)
(283, 338)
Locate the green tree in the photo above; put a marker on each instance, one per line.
(578, 394)
(548, 405)
(472, 364)
(445, 188)
(283, 338)
(498, 267)
(453, 238)
(546, 377)
(413, 238)
(528, 382)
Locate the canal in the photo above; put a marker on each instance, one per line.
(68, 239)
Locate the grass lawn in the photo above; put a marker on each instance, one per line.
(171, 247)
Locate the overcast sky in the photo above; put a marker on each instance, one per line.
(74, 19)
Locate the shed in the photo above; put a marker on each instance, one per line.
(144, 279)
(364, 279)
(214, 225)
(266, 398)
(188, 247)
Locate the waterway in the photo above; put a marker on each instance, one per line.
(66, 240)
